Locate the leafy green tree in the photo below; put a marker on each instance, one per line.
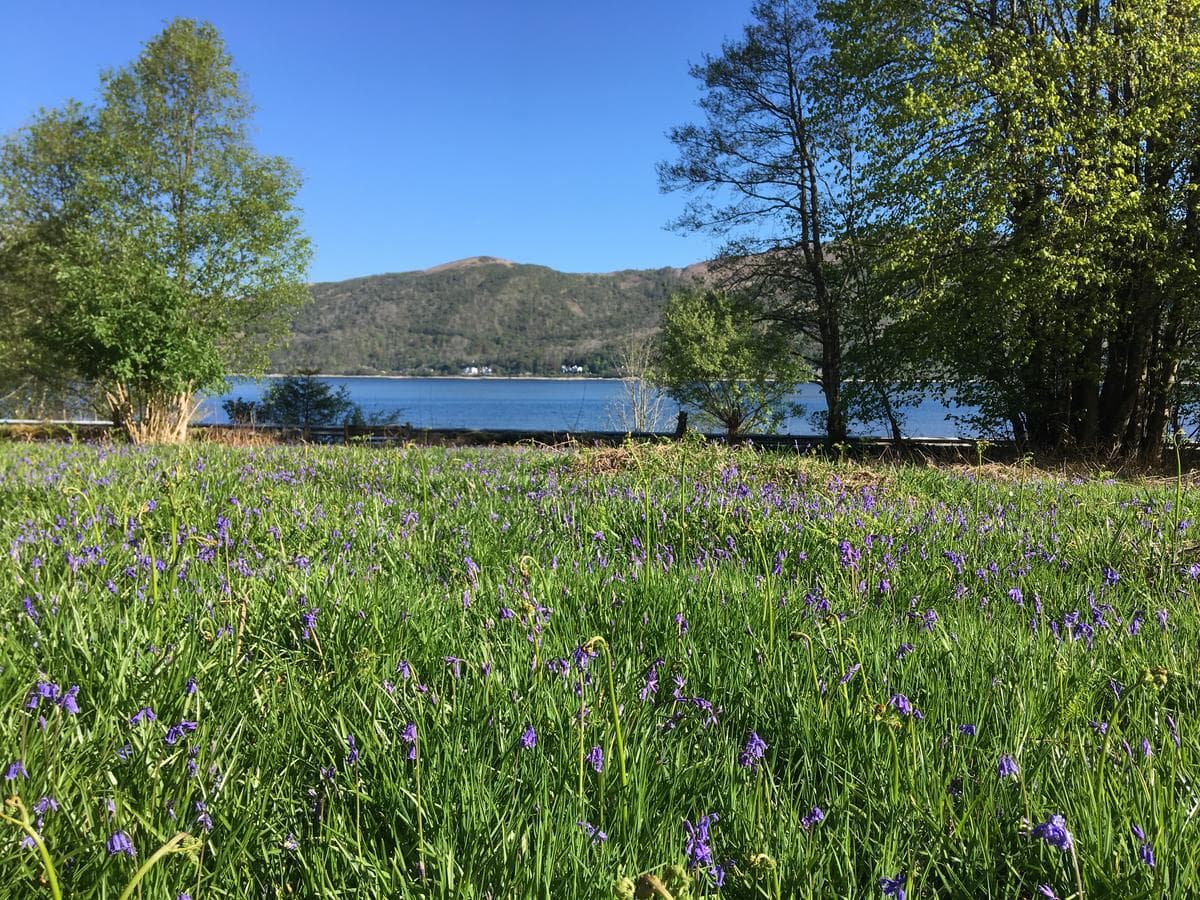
(304, 401)
(1041, 162)
(715, 356)
(165, 251)
(770, 171)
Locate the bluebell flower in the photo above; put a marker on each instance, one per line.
(202, 817)
(904, 706)
(1145, 851)
(175, 732)
(814, 815)
(352, 756)
(595, 758)
(968, 729)
(16, 770)
(753, 752)
(1054, 832)
(894, 886)
(409, 736)
(699, 853)
(119, 842)
(1007, 767)
(69, 700)
(597, 836)
(529, 738)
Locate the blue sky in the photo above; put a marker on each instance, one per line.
(430, 131)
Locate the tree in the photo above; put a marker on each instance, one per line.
(241, 411)
(640, 406)
(715, 356)
(1043, 163)
(762, 170)
(304, 401)
(165, 250)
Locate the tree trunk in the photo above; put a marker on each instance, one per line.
(150, 416)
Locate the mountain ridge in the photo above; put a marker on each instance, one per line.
(480, 311)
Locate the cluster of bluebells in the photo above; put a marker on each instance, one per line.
(1054, 832)
(894, 886)
(1007, 767)
(50, 692)
(752, 753)
(699, 849)
(1145, 851)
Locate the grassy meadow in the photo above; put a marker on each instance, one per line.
(664, 672)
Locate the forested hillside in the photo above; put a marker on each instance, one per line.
(477, 312)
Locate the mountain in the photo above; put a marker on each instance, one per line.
(480, 311)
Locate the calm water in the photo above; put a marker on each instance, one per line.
(543, 404)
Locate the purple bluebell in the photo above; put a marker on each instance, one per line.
(812, 817)
(1054, 832)
(1174, 729)
(176, 732)
(903, 650)
(529, 738)
(69, 701)
(752, 753)
(16, 770)
(968, 729)
(1145, 851)
(1007, 767)
(119, 842)
(203, 819)
(698, 848)
(309, 618)
(145, 714)
(42, 690)
(595, 758)
(409, 736)
(904, 706)
(597, 836)
(894, 886)
(352, 746)
(850, 673)
(650, 688)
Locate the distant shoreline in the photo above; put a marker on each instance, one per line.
(441, 377)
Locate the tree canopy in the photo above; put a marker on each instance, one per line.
(144, 244)
(1040, 163)
(713, 356)
(1002, 196)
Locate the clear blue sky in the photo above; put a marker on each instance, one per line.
(434, 130)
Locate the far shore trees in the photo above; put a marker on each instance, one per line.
(715, 357)
(144, 245)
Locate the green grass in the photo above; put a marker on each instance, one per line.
(514, 562)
